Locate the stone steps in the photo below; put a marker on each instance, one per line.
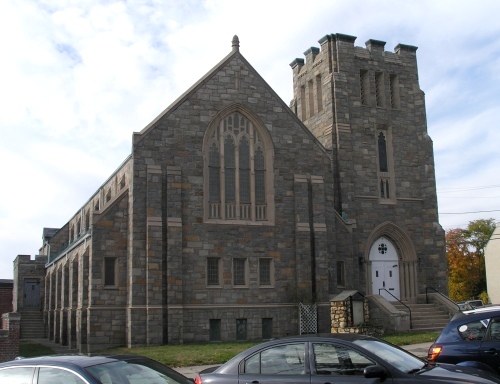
(425, 317)
(32, 325)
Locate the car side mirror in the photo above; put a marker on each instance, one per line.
(373, 371)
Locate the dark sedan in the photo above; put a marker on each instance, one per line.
(340, 358)
(81, 369)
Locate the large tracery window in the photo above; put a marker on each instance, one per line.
(237, 171)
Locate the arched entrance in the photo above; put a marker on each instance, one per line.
(384, 262)
(402, 273)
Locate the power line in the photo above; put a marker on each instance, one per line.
(470, 197)
(463, 213)
(468, 188)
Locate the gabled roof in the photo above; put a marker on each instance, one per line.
(235, 52)
(344, 295)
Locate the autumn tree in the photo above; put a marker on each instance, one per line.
(465, 254)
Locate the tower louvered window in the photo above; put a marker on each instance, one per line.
(363, 86)
(379, 89)
(394, 91)
(236, 171)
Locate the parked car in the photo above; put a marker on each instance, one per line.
(471, 338)
(81, 369)
(475, 303)
(339, 358)
(471, 304)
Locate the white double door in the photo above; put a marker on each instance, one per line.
(385, 269)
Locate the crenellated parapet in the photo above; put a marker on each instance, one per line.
(370, 75)
(338, 48)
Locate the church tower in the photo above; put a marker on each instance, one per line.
(365, 105)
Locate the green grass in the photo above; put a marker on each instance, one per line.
(407, 338)
(34, 350)
(186, 355)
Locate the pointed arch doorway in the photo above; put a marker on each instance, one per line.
(402, 273)
(385, 269)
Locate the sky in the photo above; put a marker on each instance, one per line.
(77, 78)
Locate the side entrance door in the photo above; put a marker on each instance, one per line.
(32, 294)
(385, 269)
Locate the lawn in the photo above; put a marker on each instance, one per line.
(34, 350)
(186, 355)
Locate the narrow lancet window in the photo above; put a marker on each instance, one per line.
(214, 171)
(303, 102)
(385, 171)
(382, 153)
(311, 99)
(319, 93)
(244, 168)
(229, 169)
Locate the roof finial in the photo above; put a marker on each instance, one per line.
(236, 43)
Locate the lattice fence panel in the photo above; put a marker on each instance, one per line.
(308, 316)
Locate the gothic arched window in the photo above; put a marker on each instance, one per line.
(382, 153)
(238, 171)
(386, 184)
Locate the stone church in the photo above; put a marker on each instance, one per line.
(235, 207)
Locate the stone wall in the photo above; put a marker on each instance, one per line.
(342, 321)
(9, 336)
(297, 237)
(193, 325)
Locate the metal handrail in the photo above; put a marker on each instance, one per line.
(443, 295)
(407, 307)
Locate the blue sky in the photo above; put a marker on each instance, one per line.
(79, 77)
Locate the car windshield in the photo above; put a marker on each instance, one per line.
(396, 357)
(123, 372)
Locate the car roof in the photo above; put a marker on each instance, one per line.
(478, 313)
(325, 337)
(232, 364)
(484, 309)
(79, 360)
(338, 336)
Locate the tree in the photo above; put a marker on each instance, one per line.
(465, 255)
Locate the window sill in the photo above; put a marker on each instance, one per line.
(240, 222)
(388, 201)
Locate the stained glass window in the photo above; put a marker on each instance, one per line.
(236, 171)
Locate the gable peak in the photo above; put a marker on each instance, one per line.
(235, 43)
